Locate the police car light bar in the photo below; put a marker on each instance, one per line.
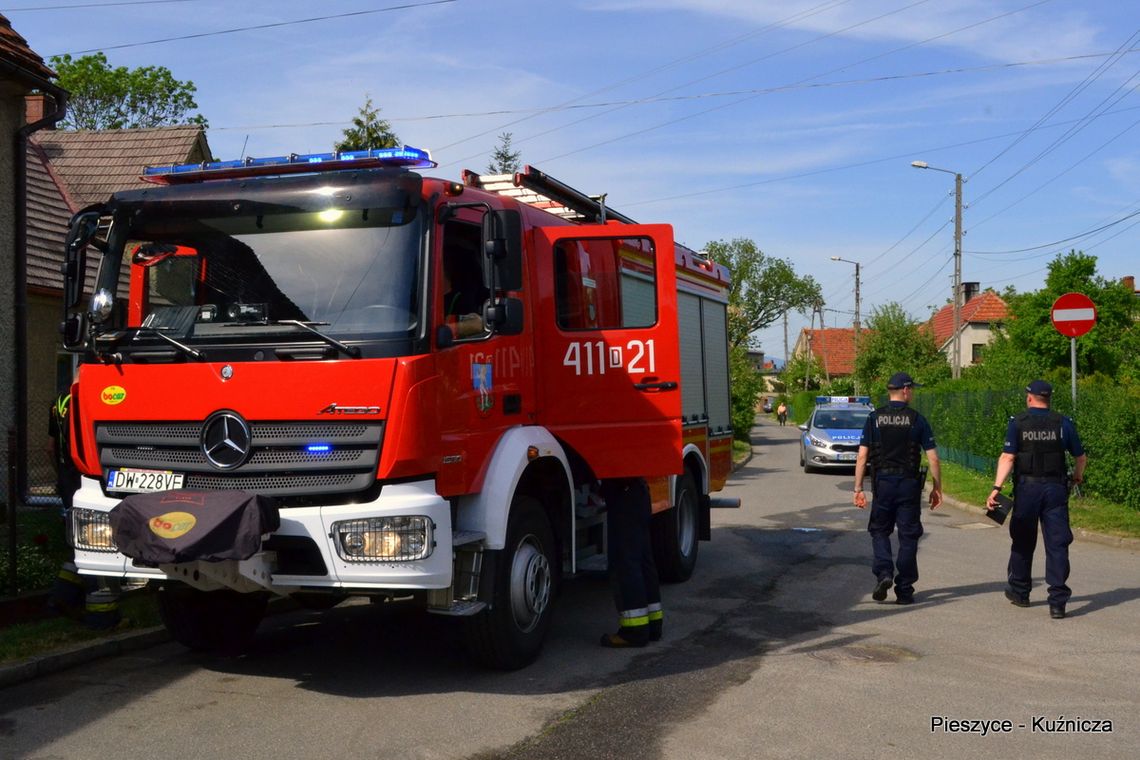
(843, 399)
(405, 157)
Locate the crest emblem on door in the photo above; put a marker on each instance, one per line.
(482, 384)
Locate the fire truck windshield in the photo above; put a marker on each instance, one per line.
(248, 271)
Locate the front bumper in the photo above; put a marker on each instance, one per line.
(827, 456)
(311, 527)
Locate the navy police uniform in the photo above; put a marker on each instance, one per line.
(1038, 439)
(896, 436)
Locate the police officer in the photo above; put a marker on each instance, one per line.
(1035, 444)
(66, 474)
(633, 574)
(893, 438)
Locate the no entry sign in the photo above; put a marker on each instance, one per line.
(1073, 314)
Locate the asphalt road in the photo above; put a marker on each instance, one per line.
(773, 650)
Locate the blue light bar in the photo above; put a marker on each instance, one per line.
(405, 157)
(318, 448)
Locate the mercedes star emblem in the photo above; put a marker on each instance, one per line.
(226, 440)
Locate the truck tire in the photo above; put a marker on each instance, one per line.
(508, 635)
(221, 622)
(675, 537)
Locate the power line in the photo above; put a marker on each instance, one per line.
(570, 106)
(1088, 80)
(351, 14)
(1056, 243)
(830, 4)
(817, 76)
(844, 167)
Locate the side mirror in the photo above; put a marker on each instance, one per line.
(74, 330)
(802, 427)
(79, 235)
(505, 316)
(502, 245)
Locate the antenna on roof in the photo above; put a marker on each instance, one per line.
(243, 146)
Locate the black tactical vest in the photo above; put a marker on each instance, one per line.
(892, 451)
(1040, 450)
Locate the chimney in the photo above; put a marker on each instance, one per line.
(35, 108)
(1129, 282)
(969, 290)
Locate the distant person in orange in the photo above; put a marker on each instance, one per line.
(782, 413)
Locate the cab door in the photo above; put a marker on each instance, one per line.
(607, 357)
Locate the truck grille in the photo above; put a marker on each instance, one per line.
(279, 464)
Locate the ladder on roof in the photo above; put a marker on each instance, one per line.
(537, 188)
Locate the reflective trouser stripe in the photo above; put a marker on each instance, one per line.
(655, 611)
(634, 618)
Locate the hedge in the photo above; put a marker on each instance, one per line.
(969, 426)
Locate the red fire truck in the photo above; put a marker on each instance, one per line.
(419, 383)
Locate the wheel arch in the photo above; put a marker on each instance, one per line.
(511, 471)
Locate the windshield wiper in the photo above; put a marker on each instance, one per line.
(191, 352)
(353, 351)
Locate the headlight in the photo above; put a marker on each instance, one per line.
(91, 530)
(383, 539)
(817, 443)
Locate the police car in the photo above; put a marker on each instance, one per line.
(830, 437)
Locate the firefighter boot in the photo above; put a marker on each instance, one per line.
(626, 637)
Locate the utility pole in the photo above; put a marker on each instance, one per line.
(855, 336)
(785, 337)
(956, 364)
(956, 340)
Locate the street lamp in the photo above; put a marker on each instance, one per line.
(854, 381)
(956, 360)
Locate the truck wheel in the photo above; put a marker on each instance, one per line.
(508, 635)
(675, 538)
(211, 621)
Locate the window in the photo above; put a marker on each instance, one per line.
(605, 283)
(976, 351)
(462, 288)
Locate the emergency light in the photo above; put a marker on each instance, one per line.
(843, 399)
(406, 157)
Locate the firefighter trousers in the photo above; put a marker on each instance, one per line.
(633, 574)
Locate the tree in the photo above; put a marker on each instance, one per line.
(1105, 348)
(105, 98)
(368, 131)
(504, 160)
(762, 288)
(802, 372)
(894, 343)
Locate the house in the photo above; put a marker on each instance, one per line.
(66, 172)
(833, 347)
(22, 72)
(980, 314)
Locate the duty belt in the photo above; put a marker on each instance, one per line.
(1042, 479)
(896, 471)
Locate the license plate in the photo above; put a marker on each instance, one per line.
(847, 456)
(144, 481)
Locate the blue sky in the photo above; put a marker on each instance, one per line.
(790, 123)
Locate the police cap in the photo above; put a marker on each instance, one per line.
(1039, 388)
(901, 380)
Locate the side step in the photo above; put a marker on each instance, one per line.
(724, 502)
(459, 608)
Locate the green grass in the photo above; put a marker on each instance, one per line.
(1090, 513)
(24, 640)
(740, 451)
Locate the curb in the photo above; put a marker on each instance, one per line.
(42, 665)
(1119, 542)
